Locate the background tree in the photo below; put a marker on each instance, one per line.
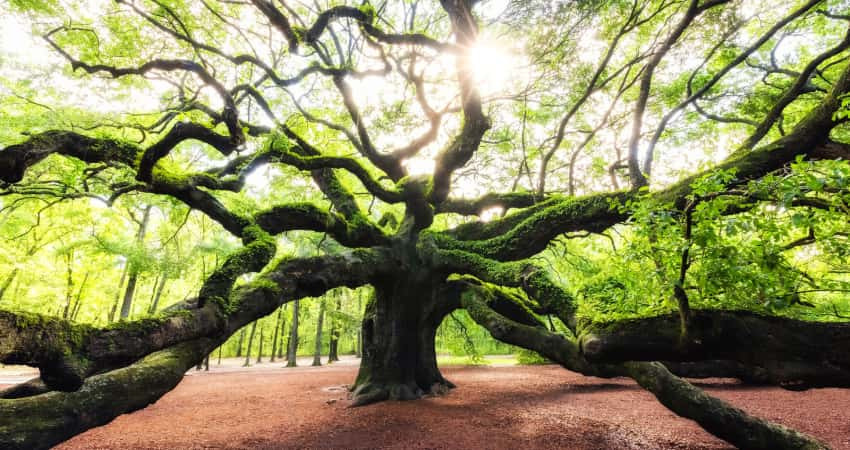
(704, 140)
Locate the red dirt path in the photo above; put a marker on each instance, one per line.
(526, 407)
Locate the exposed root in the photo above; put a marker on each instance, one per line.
(373, 392)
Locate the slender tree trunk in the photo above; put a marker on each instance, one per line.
(358, 345)
(250, 343)
(8, 282)
(239, 345)
(333, 344)
(274, 335)
(292, 345)
(260, 350)
(219, 354)
(207, 364)
(281, 348)
(127, 304)
(75, 309)
(69, 284)
(317, 354)
(118, 293)
(160, 286)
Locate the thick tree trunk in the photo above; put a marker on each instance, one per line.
(399, 326)
(292, 345)
(317, 354)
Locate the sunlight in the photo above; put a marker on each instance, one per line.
(493, 66)
(419, 166)
(493, 212)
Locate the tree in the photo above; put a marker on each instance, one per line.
(333, 335)
(392, 184)
(292, 341)
(317, 353)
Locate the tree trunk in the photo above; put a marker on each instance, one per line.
(76, 308)
(281, 348)
(127, 304)
(317, 355)
(69, 284)
(292, 345)
(274, 336)
(250, 343)
(157, 293)
(333, 344)
(118, 293)
(399, 326)
(241, 341)
(7, 282)
(260, 350)
(358, 345)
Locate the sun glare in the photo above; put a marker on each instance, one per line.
(419, 166)
(493, 66)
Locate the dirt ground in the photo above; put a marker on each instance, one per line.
(519, 407)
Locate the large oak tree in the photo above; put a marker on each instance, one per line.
(588, 129)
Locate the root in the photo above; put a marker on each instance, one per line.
(373, 392)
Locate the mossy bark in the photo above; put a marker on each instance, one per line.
(776, 350)
(714, 415)
(399, 361)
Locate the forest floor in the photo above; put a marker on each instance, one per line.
(498, 407)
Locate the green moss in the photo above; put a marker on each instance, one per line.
(369, 10)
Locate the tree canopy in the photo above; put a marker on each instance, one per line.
(608, 183)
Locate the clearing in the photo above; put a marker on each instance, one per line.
(499, 407)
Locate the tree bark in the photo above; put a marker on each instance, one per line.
(118, 292)
(715, 416)
(7, 282)
(292, 345)
(127, 304)
(69, 284)
(333, 344)
(160, 287)
(250, 343)
(260, 349)
(275, 334)
(239, 344)
(776, 350)
(281, 348)
(78, 299)
(399, 326)
(317, 354)
(358, 346)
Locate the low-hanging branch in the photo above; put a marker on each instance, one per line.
(786, 352)
(716, 416)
